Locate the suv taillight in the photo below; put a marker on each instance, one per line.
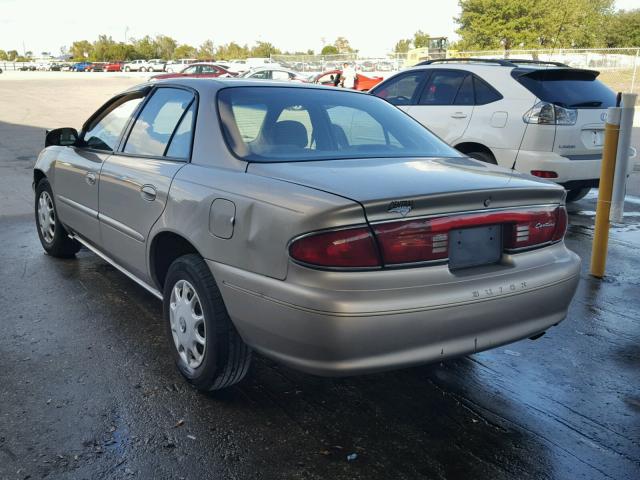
(425, 240)
(544, 113)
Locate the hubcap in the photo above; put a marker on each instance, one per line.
(187, 323)
(46, 217)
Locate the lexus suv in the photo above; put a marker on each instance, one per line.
(541, 118)
(318, 226)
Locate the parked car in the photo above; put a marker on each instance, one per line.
(332, 78)
(96, 67)
(157, 65)
(545, 119)
(274, 73)
(198, 70)
(55, 67)
(176, 66)
(81, 67)
(323, 228)
(113, 67)
(137, 66)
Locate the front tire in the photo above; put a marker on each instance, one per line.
(207, 348)
(575, 194)
(53, 236)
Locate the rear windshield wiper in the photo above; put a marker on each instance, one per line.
(586, 104)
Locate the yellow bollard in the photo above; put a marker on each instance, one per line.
(607, 170)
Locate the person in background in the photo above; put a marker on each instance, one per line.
(348, 77)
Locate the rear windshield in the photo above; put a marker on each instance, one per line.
(285, 124)
(569, 89)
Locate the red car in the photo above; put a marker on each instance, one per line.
(113, 67)
(332, 78)
(199, 70)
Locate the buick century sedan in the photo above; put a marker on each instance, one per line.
(323, 228)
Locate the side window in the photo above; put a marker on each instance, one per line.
(156, 123)
(355, 127)
(104, 133)
(189, 70)
(261, 74)
(402, 89)
(484, 92)
(208, 69)
(180, 146)
(442, 87)
(465, 92)
(279, 75)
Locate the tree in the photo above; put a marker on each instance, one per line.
(264, 50)
(623, 29)
(508, 24)
(343, 46)
(103, 49)
(232, 51)
(206, 50)
(165, 46)
(12, 55)
(420, 39)
(145, 48)
(3, 55)
(184, 51)
(402, 46)
(81, 50)
(329, 50)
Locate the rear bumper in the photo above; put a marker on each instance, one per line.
(568, 170)
(345, 323)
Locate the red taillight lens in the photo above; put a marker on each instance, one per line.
(544, 173)
(349, 248)
(539, 227)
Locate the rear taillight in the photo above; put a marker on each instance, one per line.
(544, 173)
(348, 248)
(543, 113)
(425, 240)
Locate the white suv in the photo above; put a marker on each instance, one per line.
(137, 66)
(543, 118)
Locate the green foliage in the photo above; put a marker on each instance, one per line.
(12, 55)
(623, 29)
(81, 50)
(145, 48)
(343, 46)
(232, 51)
(3, 55)
(165, 46)
(206, 51)
(402, 46)
(420, 39)
(329, 50)
(264, 50)
(509, 24)
(184, 51)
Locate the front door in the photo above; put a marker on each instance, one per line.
(77, 169)
(134, 183)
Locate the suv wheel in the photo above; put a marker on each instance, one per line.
(207, 348)
(142, 69)
(576, 194)
(53, 236)
(127, 69)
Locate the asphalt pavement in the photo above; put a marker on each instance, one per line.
(88, 388)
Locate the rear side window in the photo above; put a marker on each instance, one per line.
(401, 90)
(567, 88)
(484, 92)
(158, 120)
(442, 87)
(465, 92)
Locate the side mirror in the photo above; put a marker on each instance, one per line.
(64, 137)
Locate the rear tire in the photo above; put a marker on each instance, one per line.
(576, 194)
(483, 157)
(206, 346)
(53, 236)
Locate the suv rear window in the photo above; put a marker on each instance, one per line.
(287, 124)
(568, 88)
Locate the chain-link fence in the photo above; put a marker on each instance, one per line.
(619, 67)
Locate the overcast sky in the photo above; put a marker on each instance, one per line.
(372, 27)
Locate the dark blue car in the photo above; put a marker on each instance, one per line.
(80, 66)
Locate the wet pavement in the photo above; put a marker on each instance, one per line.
(88, 388)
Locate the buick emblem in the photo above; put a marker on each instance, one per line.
(487, 202)
(403, 207)
(603, 116)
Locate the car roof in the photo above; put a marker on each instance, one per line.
(214, 84)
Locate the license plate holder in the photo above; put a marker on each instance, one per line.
(472, 247)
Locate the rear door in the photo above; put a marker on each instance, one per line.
(446, 103)
(135, 181)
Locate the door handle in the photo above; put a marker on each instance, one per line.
(459, 115)
(90, 178)
(148, 192)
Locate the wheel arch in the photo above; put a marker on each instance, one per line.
(37, 176)
(468, 147)
(166, 246)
